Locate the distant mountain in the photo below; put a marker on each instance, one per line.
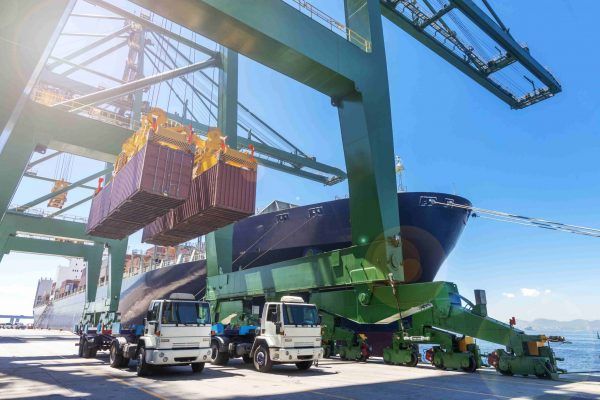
(553, 325)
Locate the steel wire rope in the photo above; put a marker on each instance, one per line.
(175, 62)
(522, 220)
(279, 241)
(212, 87)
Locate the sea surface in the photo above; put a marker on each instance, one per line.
(581, 352)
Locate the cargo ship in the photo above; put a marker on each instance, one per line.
(281, 232)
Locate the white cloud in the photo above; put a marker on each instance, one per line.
(508, 295)
(527, 292)
(547, 291)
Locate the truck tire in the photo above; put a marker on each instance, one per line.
(143, 369)
(217, 357)
(80, 349)
(115, 356)
(197, 367)
(86, 352)
(304, 365)
(262, 359)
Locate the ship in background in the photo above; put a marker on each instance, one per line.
(282, 231)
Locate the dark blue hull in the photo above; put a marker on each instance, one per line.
(429, 233)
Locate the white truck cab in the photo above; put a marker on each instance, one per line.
(290, 332)
(176, 331)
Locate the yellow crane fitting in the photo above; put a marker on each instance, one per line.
(155, 127)
(59, 200)
(214, 148)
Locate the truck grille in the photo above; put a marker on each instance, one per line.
(193, 345)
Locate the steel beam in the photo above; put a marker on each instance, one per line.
(81, 65)
(72, 206)
(46, 179)
(70, 133)
(72, 186)
(86, 69)
(42, 159)
(94, 45)
(130, 87)
(500, 36)
(274, 34)
(45, 247)
(282, 160)
(434, 45)
(152, 26)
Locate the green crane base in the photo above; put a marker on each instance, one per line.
(432, 313)
(543, 366)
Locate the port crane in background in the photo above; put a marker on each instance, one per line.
(346, 62)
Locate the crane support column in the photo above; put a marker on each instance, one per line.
(365, 121)
(26, 50)
(117, 251)
(219, 243)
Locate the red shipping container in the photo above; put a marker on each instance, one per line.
(221, 195)
(154, 180)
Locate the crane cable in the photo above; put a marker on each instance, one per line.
(519, 219)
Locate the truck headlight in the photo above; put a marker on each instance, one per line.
(161, 354)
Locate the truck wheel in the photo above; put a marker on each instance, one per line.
(197, 367)
(86, 352)
(262, 359)
(80, 349)
(143, 369)
(217, 357)
(304, 365)
(116, 358)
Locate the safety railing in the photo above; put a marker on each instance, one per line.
(46, 214)
(334, 25)
(49, 98)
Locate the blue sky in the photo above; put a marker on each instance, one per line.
(455, 137)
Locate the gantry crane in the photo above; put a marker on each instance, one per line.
(347, 62)
(363, 283)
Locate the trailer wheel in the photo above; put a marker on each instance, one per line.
(304, 365)
(116, 358)
(217, 357)
(143, 369)
(262, 359)
(472, 365)
(197, 367)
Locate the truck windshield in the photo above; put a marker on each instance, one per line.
(185, 312)
(300, 314)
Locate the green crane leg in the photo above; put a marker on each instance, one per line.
(117, 251)
(13, 163)
(432, 313)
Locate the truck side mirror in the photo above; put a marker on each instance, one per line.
(319, 320)
(278, 327)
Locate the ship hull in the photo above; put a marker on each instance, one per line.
(429, 233)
